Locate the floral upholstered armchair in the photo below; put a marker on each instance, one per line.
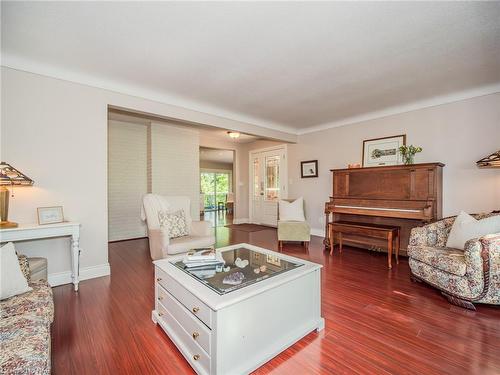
(464, 277)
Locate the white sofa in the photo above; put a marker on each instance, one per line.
(161, 246)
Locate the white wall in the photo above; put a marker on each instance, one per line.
(127, 179)
(55, 131)
(457, 134)
(175, 158)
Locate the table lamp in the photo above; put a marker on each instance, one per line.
(491, 161)
(9, 176)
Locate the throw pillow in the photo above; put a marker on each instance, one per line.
(292, 211)
(466, 227)
(174, 222)
(12, 280)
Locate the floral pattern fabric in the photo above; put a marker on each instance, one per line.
(25, 331)
(443, 258)
(37, 302)
(25, 345)
(174, 223)
(455, 271)
(25, 266)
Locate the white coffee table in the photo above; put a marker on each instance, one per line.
(236, 332)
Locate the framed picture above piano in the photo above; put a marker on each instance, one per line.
(383, 151)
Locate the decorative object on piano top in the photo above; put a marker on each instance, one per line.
(490, 161)
(309, 169)
(383, 151)
(408, 153)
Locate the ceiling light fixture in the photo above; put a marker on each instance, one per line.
(233, 135)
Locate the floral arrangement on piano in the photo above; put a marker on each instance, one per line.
(408, 153)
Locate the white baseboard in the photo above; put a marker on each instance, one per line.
(244, 220)
(61, 278)
(318, 232)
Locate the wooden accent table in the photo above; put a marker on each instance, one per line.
(388, 232)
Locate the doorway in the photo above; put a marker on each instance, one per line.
(216, 186)
(268, 176)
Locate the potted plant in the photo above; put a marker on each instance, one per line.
(408, 153)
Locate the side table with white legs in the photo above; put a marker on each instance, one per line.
(26, 232)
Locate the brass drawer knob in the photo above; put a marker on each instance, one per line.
(196, 357)
(158, 279)
(195, 335)
(196, 309)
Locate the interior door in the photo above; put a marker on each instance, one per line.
(268, 174)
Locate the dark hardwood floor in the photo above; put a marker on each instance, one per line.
(377, 321)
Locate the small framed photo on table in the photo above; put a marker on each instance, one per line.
(309, 168)
(50, 215)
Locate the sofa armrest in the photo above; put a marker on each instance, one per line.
(201, 228)
(482, 252)
(158, 243)
(38, 269)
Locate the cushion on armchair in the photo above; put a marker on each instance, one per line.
(174, 223)
(466, 227)
(12, 279)
(291, 211)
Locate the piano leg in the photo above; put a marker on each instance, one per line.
(331, 238)
(398, 243)
(389, 249)
(326, 240)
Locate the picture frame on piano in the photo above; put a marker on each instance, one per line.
(383, 151)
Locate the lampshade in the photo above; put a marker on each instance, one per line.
(491, 161)
(11, 176)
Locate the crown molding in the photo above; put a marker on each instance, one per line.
(396, 110)
(16, 63)
(21, 64)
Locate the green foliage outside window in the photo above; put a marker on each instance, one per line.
(214, 182)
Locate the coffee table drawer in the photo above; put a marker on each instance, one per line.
(197, 330)
(188, 300)
(193, 353)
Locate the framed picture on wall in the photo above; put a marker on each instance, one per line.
(50, 215)
(309, 168)
(383, 151)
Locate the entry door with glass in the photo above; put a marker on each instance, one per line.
(268, 174)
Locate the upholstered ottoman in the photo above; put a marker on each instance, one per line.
(294, 231)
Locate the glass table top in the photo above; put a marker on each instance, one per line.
(242, 267)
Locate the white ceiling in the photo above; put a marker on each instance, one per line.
(287, 65)
(216, 155)
(204, 131)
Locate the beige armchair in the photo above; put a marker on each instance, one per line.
(200, 233)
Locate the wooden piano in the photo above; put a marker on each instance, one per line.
(401, 195)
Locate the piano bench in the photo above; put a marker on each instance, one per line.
(387, 232)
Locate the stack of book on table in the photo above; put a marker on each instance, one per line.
(203, 262)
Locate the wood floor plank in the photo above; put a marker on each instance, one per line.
(377, 320)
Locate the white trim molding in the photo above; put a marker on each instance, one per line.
(409, 107)
(86, 273)
(318, 232)
(244, 220)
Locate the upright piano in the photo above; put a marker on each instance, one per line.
(401, 195)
